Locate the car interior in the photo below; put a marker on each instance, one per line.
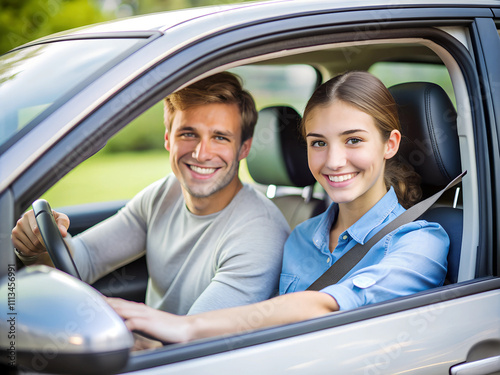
(437, 143)
(278, 158)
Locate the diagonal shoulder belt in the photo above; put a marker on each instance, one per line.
(342, 266)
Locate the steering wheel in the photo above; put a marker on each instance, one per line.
(54, 242)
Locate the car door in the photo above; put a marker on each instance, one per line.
(430, 332)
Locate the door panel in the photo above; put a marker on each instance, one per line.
(85, 216)
(425, 340)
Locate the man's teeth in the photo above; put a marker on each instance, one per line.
(201, 170)
(344, 177)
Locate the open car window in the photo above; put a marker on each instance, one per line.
(136, 157)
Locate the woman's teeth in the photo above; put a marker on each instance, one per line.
(342, 178)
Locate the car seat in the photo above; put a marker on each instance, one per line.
(430, 145)
(278, 160)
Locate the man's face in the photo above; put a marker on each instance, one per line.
(205, 148)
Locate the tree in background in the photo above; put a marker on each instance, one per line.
(22, 21)
(148, 6)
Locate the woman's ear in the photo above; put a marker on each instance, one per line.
(392, 144)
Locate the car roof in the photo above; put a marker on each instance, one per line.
(255, 11)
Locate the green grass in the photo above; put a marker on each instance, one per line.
(109, 176)
(113, 176)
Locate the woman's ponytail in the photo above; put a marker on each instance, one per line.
(404, 180)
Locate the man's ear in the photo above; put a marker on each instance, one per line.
(245, 149)
(392, 144)
(167, 142)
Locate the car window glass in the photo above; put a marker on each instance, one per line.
(392, 73)
(30, 84)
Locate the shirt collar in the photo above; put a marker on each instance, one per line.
(378, 214)
(322, 233)
(360, 230)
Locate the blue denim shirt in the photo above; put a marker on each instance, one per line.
(408, 260)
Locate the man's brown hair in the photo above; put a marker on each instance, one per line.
(222, 87)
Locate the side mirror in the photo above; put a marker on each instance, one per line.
(53, 322)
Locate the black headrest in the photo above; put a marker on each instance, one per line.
(279, 154)
(430, 138)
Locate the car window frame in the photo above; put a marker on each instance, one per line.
(487, 54)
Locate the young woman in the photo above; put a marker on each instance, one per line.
(353, 134)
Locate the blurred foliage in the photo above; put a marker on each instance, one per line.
(22, 21)
(148, 6)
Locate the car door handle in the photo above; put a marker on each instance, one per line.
(481, 367)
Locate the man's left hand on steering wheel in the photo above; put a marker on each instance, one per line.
(52, 238)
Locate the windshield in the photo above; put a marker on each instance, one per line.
(36, 79)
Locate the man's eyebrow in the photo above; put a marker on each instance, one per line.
(185, 128)
(224, 133)
(216, 132)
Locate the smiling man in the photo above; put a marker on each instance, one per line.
(210, 241)
(206, 146)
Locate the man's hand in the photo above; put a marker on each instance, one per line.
(26, 236)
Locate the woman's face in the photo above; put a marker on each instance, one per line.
(347, 155)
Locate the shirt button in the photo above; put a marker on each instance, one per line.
(344, 237)
(327, 260)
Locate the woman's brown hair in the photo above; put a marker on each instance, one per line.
(367, 93)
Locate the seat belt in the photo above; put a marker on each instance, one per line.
(342, 266)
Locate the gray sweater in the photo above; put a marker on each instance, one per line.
(195, 263)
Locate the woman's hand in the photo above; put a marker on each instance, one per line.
(144, 320)
(171, 328)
